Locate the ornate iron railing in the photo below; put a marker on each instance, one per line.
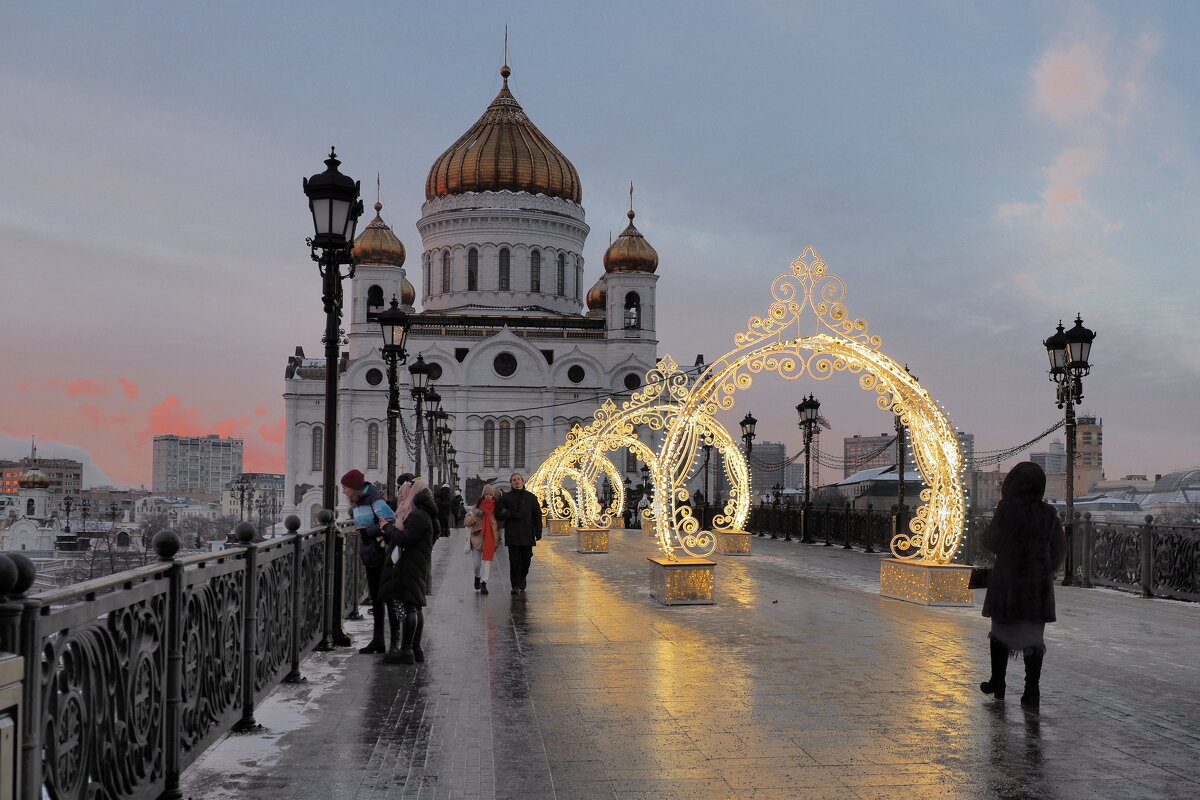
(127, 679)
(1155, 560)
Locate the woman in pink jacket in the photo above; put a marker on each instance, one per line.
(483, 536)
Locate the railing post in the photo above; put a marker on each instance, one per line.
(292, 524)
(846, 523)
(31, 646)
(826, 519)
(245, 535)
(1148, 557)
(10, 631)
(166, 544)
(870, 527)
(329, 616)
(1086, 534)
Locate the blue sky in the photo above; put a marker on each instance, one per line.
(974, 171)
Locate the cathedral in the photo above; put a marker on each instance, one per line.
(521, 341)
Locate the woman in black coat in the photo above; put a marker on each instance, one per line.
(406, 568)
(1029, 544)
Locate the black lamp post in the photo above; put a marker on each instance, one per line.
(707, 471)
(433, 404)
(748, 423)
(420, 380)
(335, 205)
(67, 504)
(808, 412)
(1068, 353)
(394, 323)
(645, 480)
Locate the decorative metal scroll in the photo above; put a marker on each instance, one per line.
(684, 408)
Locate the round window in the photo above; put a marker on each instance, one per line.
(435, 371)
(632, 381)
(374, 377)
(576, 374)
(505, 364)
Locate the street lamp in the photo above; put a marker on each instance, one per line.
(808, 412)
(394, 324)
(645, 480)
(419, 371)
(67, 503)
(1068, 353)
(707, 444)
(748, 423)
(335, 205)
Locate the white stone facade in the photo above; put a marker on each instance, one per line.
(563, 362)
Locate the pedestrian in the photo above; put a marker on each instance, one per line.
(483, 536)
(445, 507)
(370, 512)
(521, 515)
(459, 509)
(1029, 544)
(405, 575)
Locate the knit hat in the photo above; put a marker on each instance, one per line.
(406, 477)
(354, 480)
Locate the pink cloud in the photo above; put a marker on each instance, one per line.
(274, 432)
(172, 416)
(1070, 82)
(26, 386)
(129, 387)
(86, 387)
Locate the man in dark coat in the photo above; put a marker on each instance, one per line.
(370, 511)
(521, 514)
(445, 507)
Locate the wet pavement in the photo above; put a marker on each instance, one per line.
(801, 682)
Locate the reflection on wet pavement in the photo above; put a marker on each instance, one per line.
(801, 682)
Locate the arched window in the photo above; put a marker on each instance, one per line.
(633, 312)
(29, 508)
(318, 447)
(578, 278)
(504, 270)
(489, 443)
(505, 442)
(373, 446)
(374, 297)
(123, 539)
(427, 285)
(519, 444)
(472, 270)
(535, 271)
(562, 274)
(631, 462)
(446, 271)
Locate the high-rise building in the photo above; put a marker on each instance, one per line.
(1052, 460)
(1089, 452)
(867, 452)
(195, 464)
(765, 467)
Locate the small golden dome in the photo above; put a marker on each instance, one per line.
(630, 252)
(597, 296)
(503, 151)
(408, 293)
(34, 479)
(378, 245)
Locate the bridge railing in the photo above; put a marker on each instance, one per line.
(1153, 560)
(127, 679)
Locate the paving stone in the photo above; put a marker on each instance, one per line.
(590, 690)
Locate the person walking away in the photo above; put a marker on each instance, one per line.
(405, 574)
(521, 515)
(459, 509)
(482, 536)
(370, 512)
(1029, 544)
(445, 507)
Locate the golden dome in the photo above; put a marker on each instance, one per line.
(34, 479)
(378, 245)
(630, 252)
(597, 296)
(408, 294)
(503, 151)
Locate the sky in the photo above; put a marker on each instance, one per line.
(973, 171)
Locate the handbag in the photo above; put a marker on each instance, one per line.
(979, 577)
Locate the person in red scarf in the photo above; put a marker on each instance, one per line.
(483, 536)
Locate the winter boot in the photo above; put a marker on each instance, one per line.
(394, 625)
(483, 587)
(476, 583)
(404, 653)
(418, 653)
(995, 684)
(376, 643)
(1033, 676)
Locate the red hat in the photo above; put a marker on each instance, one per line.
(354, 480)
